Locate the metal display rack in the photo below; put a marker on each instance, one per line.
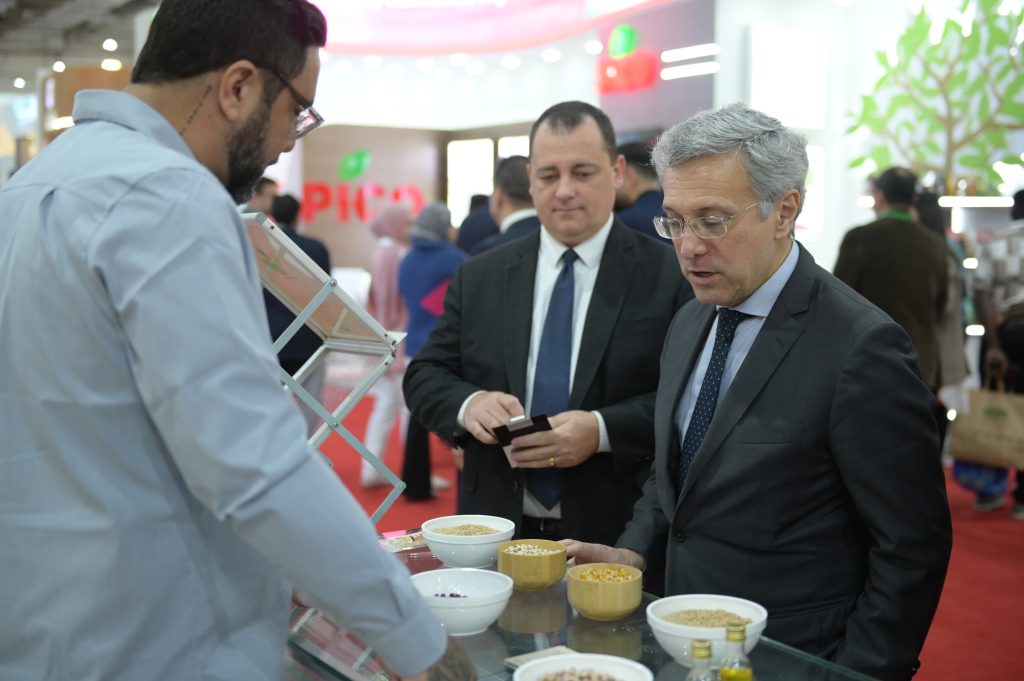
(346, 329)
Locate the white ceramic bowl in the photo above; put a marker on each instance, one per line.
(482, 596)
(474, 551)
(621, 668)
(676, 639)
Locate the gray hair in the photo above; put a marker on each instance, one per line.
(774, 156)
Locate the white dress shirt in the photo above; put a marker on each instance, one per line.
(514, 217)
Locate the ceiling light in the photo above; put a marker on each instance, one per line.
(110, 65)
(475, 68)
(459, 59)
(551, 55)
(686, 70)
(975, 330)
(110, 45)
(970, 263)
(691, 52)
(20, 83)
(593, 47)
(59, 66)
(372, 61)
(511, 62)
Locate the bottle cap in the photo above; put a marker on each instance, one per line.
(701, 650)
(735, 632)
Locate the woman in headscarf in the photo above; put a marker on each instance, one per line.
(391, 227)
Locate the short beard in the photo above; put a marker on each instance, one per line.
(247, 154)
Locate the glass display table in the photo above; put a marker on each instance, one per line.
(319, 651)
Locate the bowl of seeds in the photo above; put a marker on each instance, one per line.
(533, 564)
(466, 600)
(582, 667)
(467, 540)
(604, 591)
(679, 620)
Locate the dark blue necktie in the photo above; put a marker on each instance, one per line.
(551, 378)
(707, 399)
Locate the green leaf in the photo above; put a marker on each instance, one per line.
(997, 37)
(881, 155)
(898, 102)
(972, 44)
(621, 41)
(355, 164)
(973, 161)
(858, 162)
(958, 80)
(986, 7)
(996, 139)
(933, 147)
(883, 59)
(983, 108)
(1013, 159)
(1015, 86)
(976, 86)
(1013, 110)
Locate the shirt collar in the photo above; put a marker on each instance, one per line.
(129, 111)
(761, 301)
(513, 218)
(589, 251)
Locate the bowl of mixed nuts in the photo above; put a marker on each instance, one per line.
(533, 564)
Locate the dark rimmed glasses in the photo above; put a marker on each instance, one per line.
(308, 119)
(705, 227)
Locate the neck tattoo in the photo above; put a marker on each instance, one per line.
(199, 104)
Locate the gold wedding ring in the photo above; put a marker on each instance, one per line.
(551, 462)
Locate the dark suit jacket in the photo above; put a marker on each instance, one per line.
(817, 490)
(477, 226)
(640, 215)
(305, 342)
(482, 340)
(516, 230)
(901, 267)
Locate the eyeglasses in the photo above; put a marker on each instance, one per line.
(308, 119)
(706, 227)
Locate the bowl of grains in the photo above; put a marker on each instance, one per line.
(582, 667)
(533, 564)
(679, 620)
(467, 540)
(604, 591)
(466, 600)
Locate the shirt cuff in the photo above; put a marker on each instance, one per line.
(603, 444)
(460, 420)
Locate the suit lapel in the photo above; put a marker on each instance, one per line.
(610, 289)
(517, 317)
(680, 359)
(781, 329)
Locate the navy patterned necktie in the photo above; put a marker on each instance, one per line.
(551, 377)
(707, 399)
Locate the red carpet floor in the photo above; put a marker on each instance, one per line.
(975, 633)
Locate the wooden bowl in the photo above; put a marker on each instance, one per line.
(533, 573)
(604, 600)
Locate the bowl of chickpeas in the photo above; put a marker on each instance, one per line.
(582, 667)
(533, 564)
(677, 621)
(604, 591)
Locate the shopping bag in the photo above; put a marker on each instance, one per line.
(992, 432)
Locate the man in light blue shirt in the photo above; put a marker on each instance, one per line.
(156, 489)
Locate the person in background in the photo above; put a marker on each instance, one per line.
(159, 498)
(796, 457)
(1000, 298)
(901, 267)
(950, 329)
(511, 204)
(477, 225)
(568, 323)
(262, 198)
(391, 228)
(423, 279)
(638, 200)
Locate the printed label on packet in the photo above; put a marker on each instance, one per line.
(402, 540)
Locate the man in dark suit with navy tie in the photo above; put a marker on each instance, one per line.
(796, 457)
(566, 322)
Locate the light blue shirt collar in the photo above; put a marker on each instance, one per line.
(129, 111)
(760, 302)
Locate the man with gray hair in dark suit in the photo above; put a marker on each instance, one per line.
(796, 459)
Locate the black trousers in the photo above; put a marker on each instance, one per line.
(1011, 339)
(416, 466)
